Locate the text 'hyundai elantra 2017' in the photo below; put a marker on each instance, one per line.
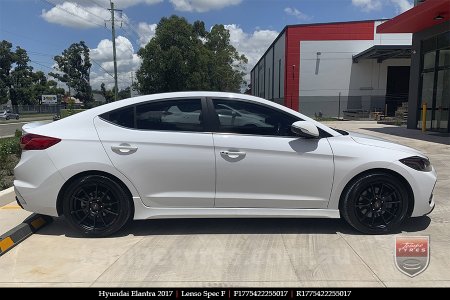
(215, 155)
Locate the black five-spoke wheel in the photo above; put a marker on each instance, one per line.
(96, 205)
(375, 203)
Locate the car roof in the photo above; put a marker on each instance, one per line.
(96, 111)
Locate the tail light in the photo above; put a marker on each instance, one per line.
(37, 142)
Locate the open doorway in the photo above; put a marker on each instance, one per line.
(397, 88)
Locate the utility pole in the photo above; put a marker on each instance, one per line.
(113, 30)
(131, 87)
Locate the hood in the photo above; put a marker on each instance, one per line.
(382, 143)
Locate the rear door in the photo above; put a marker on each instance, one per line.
(164, 149)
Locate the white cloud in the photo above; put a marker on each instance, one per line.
(202, 5)
(367, 5)
(252, 45)
(296, 13)
(106, 3)
(146, 32)
(84, 14)
(74, 15)
(402, 5)
(127, 62)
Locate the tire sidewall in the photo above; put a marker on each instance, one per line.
(355, 189)
(118, 193)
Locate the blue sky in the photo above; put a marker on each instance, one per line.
(46, 27)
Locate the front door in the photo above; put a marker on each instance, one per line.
(261, 164)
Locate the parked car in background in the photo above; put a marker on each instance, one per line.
(7, 114)
(215, 155)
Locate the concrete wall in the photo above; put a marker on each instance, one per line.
(327, 71)
(267, 76)
(279, 67)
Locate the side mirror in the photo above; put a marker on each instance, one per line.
(305, 129)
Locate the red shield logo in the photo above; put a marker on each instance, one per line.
(412, 254)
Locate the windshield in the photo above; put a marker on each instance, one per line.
(343, 132)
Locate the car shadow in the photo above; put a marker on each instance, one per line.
(232, 226)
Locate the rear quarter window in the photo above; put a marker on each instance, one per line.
(123, 117)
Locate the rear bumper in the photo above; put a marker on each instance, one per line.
(37, 183)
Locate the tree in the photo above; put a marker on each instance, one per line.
(74, 69)
(226, 65)
(6, 61)
(43, 86)
(21, 79)
(124, 94)
(184, 56)
(108, 94)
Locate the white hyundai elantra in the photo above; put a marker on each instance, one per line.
(215, 155)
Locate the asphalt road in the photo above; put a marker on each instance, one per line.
(8, 129)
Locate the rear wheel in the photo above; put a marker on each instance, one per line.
(375, 203)
(7, 117)
(96, 205)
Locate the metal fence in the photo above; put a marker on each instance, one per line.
(39, 109)
(354, 107)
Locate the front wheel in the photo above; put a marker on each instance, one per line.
(375, 203)
(7, 118)
(17, 117)
(96, 205)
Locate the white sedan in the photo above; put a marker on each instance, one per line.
(172, 156)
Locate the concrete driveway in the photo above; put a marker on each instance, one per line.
(237, 252)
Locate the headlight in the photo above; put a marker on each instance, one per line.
(417, 163)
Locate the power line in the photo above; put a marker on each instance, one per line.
(100, 66)
(49, 55)
(81, 7)
(96, 3)
(42, 65)
(133, 29)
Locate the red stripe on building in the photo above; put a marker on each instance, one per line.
(318, 32)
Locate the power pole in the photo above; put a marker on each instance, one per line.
(131, 87)
(113, 30)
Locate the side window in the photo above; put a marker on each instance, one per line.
(176, 115)
(123, 117)
(250, 118)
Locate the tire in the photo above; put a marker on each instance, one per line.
(96, 206)
(17, 117)
(375, 203)
(7, 118)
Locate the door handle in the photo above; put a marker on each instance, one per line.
(232, 154)
(124, 148)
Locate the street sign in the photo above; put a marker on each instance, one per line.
(49, 99)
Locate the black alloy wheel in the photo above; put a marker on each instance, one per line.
(375, 203)
(96, 205)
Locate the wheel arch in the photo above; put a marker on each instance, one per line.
(59, 199)
(386, 171)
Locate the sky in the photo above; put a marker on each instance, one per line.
(46, 27)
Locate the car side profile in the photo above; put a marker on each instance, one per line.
(215, 155)
(7, 114)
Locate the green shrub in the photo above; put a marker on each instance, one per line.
(10, 152)
(68, 112)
